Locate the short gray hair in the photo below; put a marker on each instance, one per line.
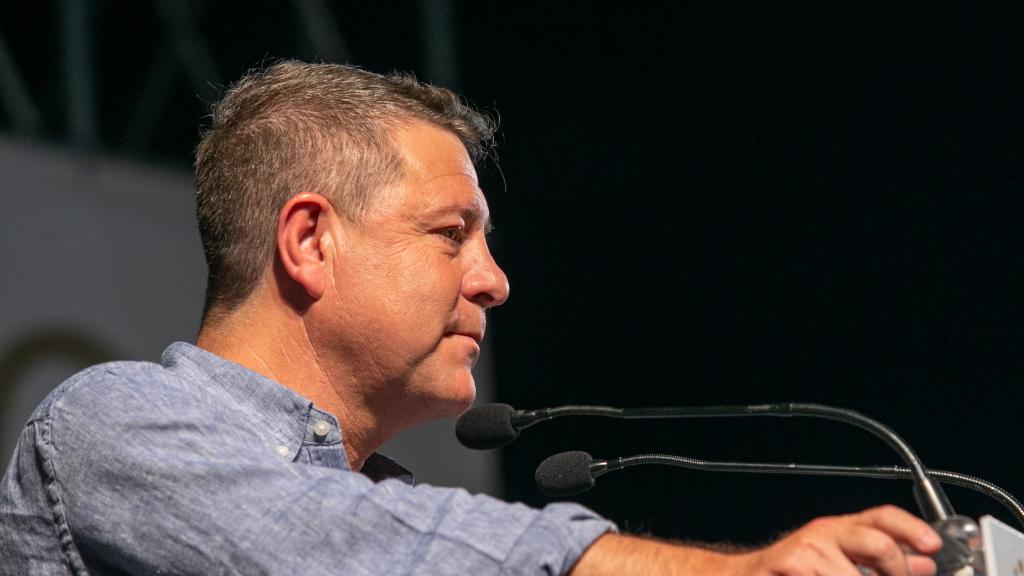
(297, 127)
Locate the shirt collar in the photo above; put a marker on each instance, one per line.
(287, 419)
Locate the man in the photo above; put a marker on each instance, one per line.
(345, 234)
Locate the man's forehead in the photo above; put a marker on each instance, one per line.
(438, 177)
(429, 152)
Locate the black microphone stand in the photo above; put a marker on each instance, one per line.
(934, 505)
(598, 468)
(960, 535)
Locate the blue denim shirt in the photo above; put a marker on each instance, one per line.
(197, 465)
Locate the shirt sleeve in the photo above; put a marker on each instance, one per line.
(144, 487)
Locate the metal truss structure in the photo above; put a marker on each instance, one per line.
(198, 48)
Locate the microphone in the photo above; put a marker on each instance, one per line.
(491, 426)
(494, 425)
(571, 473)
(568, 474)
(486, 427)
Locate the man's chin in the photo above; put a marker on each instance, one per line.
(461, 401)
(449, 400)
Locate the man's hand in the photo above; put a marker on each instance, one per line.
(876, 539)
(833, 546)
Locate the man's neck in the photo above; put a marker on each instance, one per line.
(275, 345)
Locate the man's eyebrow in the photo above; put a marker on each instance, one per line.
(468, 213)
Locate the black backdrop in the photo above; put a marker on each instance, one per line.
(736, 202)
(748, 204)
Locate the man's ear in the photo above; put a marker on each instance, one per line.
(303, 241)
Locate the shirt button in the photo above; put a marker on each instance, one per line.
(282, 451)
(321, 428)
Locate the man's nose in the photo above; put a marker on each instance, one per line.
(485, 282)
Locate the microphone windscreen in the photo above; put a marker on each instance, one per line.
(486, 427)
(564, 474)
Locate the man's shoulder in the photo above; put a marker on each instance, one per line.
(116, 387)
(191, 398)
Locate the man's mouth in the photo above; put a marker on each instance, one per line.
(468, 326)
(476, 336)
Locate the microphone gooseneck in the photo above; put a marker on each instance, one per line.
(959, 543)
(935, 507)
(571, 473)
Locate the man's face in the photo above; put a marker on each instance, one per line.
(412, 281)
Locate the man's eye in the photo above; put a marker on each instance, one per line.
(455, 234)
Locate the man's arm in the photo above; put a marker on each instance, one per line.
(874, 539)
(140, 477)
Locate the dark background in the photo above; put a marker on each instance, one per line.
(710, 203)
